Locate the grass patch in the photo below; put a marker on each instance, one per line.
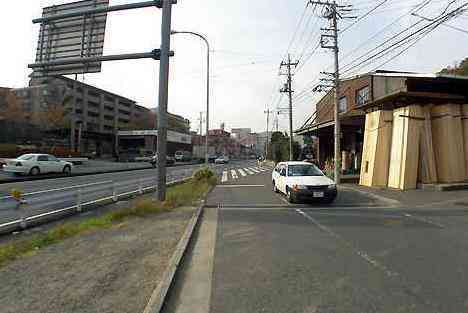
(185, 194)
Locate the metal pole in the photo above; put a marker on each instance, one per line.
(163, 97)
(114, 8)
(207, 86)
(267, 133)
(207, 99)
(337, 171)
(291, 157)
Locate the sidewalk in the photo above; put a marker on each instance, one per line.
(416, 198)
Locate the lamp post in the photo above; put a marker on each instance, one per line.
(207, 84)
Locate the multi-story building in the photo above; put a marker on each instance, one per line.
(93, 116)
(175, 122)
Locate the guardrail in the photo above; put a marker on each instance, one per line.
(39, 207)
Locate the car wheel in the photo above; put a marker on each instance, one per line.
(290, 196)
(67, 170)
(274, 187)
(34, 171)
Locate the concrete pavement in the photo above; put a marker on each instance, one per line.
(55, 194)
(273, 257)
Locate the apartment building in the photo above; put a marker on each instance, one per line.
(94, 115)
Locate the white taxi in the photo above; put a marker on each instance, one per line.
(303, 181)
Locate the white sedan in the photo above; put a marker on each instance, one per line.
(35, 164)
(303, 180)
(222, 160)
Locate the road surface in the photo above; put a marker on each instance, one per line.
(256, 253)
(54, 194)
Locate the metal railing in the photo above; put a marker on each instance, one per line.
(39, 207)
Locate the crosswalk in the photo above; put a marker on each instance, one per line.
(234, 174)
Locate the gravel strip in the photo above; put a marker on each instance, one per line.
(113, 270)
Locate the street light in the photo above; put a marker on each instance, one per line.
(207, 84)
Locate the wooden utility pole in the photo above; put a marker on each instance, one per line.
(333, 13)
(267, 112)
(288, 89)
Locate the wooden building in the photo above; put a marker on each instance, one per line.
(398, 129)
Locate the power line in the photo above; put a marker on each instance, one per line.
(436, 22)
(364, 16)
(297, 28)
(419, 6)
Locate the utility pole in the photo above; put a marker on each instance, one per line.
(163, 96)
(201, 124)
(288, 89)
(333, 12)
(267, 112)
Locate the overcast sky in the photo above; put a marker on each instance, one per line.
(248, 38)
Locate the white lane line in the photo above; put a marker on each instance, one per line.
(61, 189)
(360, 253)
(423, 220)
(242, 172)
(239, 186)
(234, 174)
(225, 177)
(248, 171)
(253, 169)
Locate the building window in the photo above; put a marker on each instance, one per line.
(363, 96)
(343, 105)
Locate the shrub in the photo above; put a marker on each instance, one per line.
(204, 174)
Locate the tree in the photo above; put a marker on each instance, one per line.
(13, 109)
(55, 116)
(458, 69)
(279, 147)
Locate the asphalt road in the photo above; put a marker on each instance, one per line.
(53, 194)
(359, 255)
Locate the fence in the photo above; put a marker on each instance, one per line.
(43, 206)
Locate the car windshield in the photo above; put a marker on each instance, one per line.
(26, 157)
(304, 170)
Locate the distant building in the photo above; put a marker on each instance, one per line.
(175, 122)
(240, 133)
(92, 116)
(262, 140)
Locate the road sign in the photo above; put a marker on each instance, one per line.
(71, 38)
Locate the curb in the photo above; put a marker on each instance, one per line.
(387, 201)
(158, 296)
(19, 180)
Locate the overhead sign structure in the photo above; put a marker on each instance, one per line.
(71, 38)
(64, 50)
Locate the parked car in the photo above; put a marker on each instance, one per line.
(183, 156)
(224, 159)
(303, 181)
(3, 162)
(212, 158)
(169, 160)
(35, 164)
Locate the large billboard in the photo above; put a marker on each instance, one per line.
(71, 38)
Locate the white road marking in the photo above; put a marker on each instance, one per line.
(360, 253)
(234, 174)
(239, 186)
(423, 220)
(248, 171)
(253, 169)
(242, 172)
(61, 189)
(225, 177)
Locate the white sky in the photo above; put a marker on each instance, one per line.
(249, 39)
